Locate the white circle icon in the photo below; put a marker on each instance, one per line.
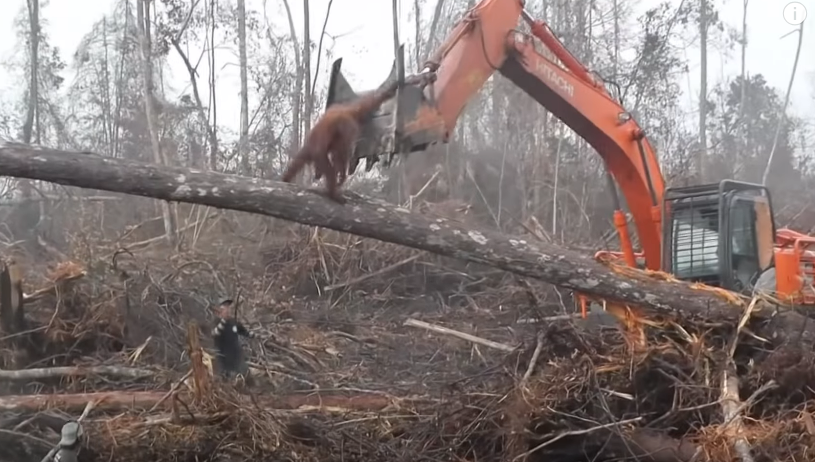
(795, 13)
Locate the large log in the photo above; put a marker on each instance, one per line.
(376, 219)
(644, 443)
(74, 371)
(118, 400)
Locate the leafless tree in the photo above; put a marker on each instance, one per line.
(244, 123)
(703, 43)
(33, 72)
(320, 45)
(159, 157)
(782, 116)
(297, 94)
(743, 43)
(309, 99)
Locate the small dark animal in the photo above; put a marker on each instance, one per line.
(330, 143)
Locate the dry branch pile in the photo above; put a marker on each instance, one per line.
(352, 365)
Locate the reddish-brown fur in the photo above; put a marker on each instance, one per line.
(330, 143)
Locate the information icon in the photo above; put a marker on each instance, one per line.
(795, 13)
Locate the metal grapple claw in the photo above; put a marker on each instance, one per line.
(406, 123)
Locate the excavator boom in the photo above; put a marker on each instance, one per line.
(488, 40)
(721, 234)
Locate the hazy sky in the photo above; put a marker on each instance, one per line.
(366, 44)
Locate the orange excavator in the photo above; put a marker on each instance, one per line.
(722, 235)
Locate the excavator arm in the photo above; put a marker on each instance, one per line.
(485, 41)
(721, 234)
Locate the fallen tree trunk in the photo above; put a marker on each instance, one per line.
(118, 400)
(376, 219)
(73, 371)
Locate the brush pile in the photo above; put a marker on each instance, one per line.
(370, 352)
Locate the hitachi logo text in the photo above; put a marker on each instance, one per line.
(550, 75)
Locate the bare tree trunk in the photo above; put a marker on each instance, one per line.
(616, 14)
(107, 101)
(782, 117)
(431, 35)
(196, 94)
(703, 19)
(297, 95)
(417, 10)
(743, 61)
(398, 173)
(33, 68)
(31, 212)
(556, 184)
(309, 103)
(143, 15)
(320, 45)
(213, 102)
(119, 84)
(244, 123)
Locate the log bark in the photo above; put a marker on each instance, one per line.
(377, 219)
(73, 371)
(119, 400)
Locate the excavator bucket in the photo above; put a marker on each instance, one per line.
(393, 129)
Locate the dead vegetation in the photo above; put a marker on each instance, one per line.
(370, 351)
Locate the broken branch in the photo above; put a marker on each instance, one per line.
(52, 289)
(459, 335)
(365, 277)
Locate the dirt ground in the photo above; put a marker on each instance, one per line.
(340, 376)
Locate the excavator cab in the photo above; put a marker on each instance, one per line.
(719, 234)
